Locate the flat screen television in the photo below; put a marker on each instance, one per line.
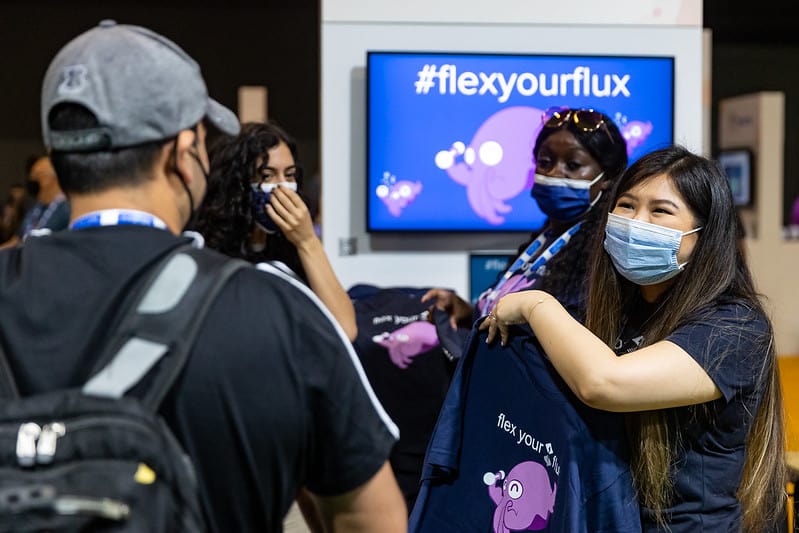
(450, 135)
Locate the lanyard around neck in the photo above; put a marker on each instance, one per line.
(525, 264)
(38, 218)
(117, 217)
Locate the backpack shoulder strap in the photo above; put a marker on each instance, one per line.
(149, 348)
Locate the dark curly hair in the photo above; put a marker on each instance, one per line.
(565, 275)
(225, 217)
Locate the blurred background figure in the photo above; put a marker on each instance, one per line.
(50, 211)
(15, 206)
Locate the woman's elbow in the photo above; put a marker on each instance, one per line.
(597, 393)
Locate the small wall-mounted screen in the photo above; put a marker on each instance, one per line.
(450, 135)
(737, 165)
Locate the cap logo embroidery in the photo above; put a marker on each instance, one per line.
(74, 79)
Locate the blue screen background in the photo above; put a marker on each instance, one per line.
(407, 188)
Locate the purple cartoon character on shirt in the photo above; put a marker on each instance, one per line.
(497, 164)
(524, 498)
(408, 341)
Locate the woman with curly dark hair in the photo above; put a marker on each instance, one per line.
(254, 210)
(579, 154)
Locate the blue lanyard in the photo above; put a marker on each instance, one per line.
(38, 219)
(117, 217)
(524, 265)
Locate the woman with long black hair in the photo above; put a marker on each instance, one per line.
(676, 337)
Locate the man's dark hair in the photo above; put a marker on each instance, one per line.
(89, 172)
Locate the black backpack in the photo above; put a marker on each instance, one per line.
(99, 458)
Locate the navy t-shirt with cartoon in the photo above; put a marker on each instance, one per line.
(515, 450)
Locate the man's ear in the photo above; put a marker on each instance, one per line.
(184, 154)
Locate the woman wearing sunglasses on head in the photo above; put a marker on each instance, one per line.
(578, 155)
(676, 337)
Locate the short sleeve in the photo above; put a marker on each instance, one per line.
(730, 342)
(352, 436)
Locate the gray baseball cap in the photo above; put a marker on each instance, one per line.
(141, 86)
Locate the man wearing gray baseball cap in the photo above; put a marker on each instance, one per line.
(272, 397)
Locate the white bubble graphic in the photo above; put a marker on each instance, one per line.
(491, 153)
(469, 156)
(444, 159)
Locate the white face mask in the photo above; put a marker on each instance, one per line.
(567, 182)
(260, 197)
(644, 253)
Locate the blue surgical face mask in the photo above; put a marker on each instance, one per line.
(564, 199)
(643, 253)
(261, 193)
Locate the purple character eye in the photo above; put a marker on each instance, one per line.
(515, 489)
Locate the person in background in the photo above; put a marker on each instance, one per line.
(14, 209)
(272, 397)
(579, 154)
(675, 336)
(50, 212)
(255, 210)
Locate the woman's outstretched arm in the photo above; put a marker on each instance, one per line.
(658, 376)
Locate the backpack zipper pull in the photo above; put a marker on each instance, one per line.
(26, 443)
(45, 449)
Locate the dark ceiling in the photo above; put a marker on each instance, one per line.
(752, 22)
(766, 21)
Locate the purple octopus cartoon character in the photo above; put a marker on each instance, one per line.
(635, 133)
(497, 164)
(396, 195)
(524, 498)
(408, 341)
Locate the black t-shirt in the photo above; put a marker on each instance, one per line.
(400, 351)
(272, 398)
(728, 343)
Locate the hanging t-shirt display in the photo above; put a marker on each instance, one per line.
(402, 358)
(515, 450)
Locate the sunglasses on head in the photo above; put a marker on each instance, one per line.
(585, 119)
